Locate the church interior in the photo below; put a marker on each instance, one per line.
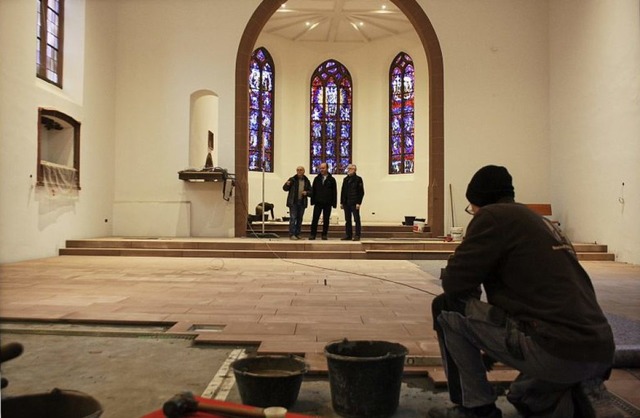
(129, 265)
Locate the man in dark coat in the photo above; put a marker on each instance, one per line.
(299, 189)
(542, 317)
(351, 196)
(324, 196)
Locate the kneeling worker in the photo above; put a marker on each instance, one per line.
(542, 317)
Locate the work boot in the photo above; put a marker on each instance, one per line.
(462, 412)
(592, 400)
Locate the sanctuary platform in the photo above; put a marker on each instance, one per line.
(378, 242)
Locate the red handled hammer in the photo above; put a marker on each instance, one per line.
(184, 403)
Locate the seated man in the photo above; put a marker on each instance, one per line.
(542, 317)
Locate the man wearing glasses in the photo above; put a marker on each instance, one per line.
(542, 317)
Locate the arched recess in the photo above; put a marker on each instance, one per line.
(429, 39)
(203, 127)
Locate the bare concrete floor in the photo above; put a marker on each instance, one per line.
(133, 375)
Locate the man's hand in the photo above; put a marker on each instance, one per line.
(357, 207)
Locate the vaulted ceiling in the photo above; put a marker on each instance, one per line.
(349, 21)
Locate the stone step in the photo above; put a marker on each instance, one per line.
(374, 249)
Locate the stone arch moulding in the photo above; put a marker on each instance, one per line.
(429, 39)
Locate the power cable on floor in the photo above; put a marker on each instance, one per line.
(266, 242)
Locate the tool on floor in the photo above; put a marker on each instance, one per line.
(184, 403)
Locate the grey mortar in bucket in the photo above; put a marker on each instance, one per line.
(266, 381)
(365, 377)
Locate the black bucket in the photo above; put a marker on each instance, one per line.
(55, 404)
(365, 377)
(266, 381)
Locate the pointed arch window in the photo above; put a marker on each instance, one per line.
(261, 110)
(401, 115)
(331, 117)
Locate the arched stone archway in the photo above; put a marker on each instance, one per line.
(426, 33)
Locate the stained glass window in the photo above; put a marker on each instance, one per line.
(331, 117)
(50, 41)
(401, 115)
(261, 102)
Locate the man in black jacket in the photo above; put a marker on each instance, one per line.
(299, 189)
(542, 317)
(324, 196)
(351, 196)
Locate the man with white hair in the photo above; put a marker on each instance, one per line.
(351, 196)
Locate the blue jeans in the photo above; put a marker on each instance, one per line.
(296, 213)
(543, 388)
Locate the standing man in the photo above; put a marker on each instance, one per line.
(324, 196)
(299, 188)
(351, 196)
(542, 317)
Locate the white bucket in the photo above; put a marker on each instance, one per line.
(456, 233)
(418, 226)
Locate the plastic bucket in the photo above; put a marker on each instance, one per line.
(456, 233)
(408, 220)
(365, 377)
(266, 381)
(418, 226)
(55, 404)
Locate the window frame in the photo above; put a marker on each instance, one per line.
(401, 61)
(42, 68)
(343, 76)
(260, 138)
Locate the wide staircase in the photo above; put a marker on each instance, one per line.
(378, 242)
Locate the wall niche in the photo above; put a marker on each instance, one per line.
(58, 150)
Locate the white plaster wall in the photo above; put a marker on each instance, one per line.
(496, 95)
(32, 224)
(595, 122)
(387, 197)
(549, 89)
(166, 52)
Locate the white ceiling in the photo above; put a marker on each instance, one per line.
(359, 21)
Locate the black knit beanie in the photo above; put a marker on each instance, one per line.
(490, 184)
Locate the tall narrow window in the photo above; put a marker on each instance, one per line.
(401, 113)
(50, 40)
(261, 101)
(331, 117)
